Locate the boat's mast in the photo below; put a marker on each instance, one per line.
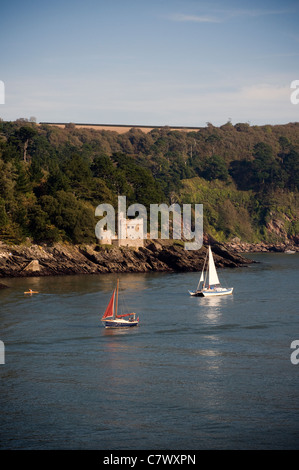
(202, 277)
(206, 273)
(116, 299)
(208, 267)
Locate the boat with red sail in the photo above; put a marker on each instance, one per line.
(111, 317)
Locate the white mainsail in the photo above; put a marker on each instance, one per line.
(213, 277)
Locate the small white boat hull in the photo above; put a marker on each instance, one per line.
(119, 323)
(195, 294)
(217, 291)
(212, 292)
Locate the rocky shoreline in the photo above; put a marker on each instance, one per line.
(63, 259)
(155, 256)
(240, 247)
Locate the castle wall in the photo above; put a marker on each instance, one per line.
(136, 243)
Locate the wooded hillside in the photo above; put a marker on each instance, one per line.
(52, 179)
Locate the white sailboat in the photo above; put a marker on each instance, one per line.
(209, 284)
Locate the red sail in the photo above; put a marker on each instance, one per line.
(110, 309)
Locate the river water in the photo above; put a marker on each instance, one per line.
(196, 374)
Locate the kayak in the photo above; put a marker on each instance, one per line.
(31, 292)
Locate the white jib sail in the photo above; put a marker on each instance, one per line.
(200, 280)
(213, 277)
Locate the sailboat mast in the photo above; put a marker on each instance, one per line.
(116, 303)
(206, 275)
(202, 277)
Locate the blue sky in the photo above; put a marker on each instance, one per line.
(157, 62)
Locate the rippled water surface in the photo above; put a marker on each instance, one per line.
(196, 374)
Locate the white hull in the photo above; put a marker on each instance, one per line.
(219, 291)
(212, 292)
(119, 323)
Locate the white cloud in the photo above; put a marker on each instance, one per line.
(194, 18)
(221, 16)
(254, 13)
(264, 93)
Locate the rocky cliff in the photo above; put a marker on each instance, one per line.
(57, 259)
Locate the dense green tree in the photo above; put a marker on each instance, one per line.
(103, 168)
(25, 133)
(23, 184)
(8, 175)
(291, 166)
(266, 167)
(57, 180)
(263, 162)
(215, 168)
(242, 171)
(3, 215)
(40, 226)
